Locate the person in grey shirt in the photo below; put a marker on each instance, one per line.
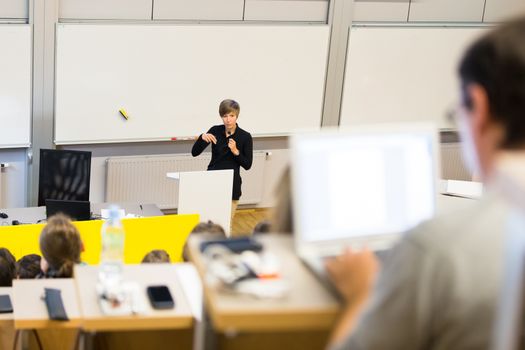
(439, 286)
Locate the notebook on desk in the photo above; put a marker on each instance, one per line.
(363, 186)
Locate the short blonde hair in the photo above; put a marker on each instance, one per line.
(157, 256)
(229, 106)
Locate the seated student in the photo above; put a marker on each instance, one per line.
(8, 266)
(28, 267)
(204, 227)
(60, 245)
(440, 284)
(6, 273)
(157, 256)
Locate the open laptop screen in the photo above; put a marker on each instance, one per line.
(363, 182)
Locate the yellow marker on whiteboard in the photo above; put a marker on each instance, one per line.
(123, 113)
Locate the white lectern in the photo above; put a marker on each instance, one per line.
(207, 193)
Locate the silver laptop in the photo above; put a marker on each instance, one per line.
(363, 186)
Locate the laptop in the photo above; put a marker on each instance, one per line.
(76, 210)
(362, 186)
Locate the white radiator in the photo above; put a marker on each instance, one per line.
(142, 179)
(452, 166)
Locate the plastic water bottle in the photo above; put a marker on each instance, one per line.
(112, 255)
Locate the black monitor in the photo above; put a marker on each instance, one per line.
(64, 175)
(76, 210)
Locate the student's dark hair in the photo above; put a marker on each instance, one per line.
(6, 273)
(496, 62)
(60, 245)
(229, 106)
(208, 227)
(10, 260)
(157, 256)
(264, 226)
(28, 266)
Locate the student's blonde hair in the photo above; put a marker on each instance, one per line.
(61, 246)
(157, 256)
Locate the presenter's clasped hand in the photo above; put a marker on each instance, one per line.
(209, 138)
(233, 147)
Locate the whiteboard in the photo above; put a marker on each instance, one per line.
(402, 74)
(15, 85)
(170, 79)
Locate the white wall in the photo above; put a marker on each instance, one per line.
(446, 11)
(14, 9)
(381, 11)
(104, 9)
(231, 10)
(13, 179)
(498, 10)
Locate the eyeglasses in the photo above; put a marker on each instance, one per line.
(454, 114)
(451, 115)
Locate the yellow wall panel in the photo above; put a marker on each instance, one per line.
(167, 232)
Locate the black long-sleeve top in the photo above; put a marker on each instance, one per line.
(222, 157)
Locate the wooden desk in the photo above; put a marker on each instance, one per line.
(180, 317)
(30, 310)
(309, 305)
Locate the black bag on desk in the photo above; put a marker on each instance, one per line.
(236, 245)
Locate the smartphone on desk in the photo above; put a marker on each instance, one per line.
(160, 297)
(5, 304)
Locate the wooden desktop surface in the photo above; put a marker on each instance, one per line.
(308, 306)
(30, 310)
(145, 275)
